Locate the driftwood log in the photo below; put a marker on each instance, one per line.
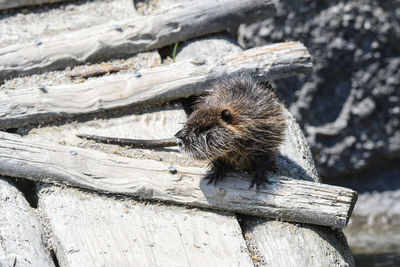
(181, 22)
(155, 85)
(283, 198)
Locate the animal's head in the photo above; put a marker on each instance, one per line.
(209, 132)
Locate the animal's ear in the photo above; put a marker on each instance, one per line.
(226, 116)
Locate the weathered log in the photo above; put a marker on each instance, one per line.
(283, 198)
(7, 4)
(155, 85)
(22, 237)
(92, 230)
(120, 39)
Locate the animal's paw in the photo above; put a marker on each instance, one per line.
(272, 166)
(213, 177)
(258, 179)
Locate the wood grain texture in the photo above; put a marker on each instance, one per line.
(181, 22)
(7, 4)
(22, 238)
(293, 245)
(283, 198)
(156, 85)
(91, 230)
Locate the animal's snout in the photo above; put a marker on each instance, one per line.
(179, 134)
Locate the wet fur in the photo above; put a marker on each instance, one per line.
(238, 124)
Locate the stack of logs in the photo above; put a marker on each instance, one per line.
(111, 206)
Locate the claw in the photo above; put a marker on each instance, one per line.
(252, 184)
(258, 179)
(213, 178)
(210, 179)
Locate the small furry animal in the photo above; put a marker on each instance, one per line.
(237, 125)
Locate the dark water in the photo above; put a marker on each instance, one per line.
(377, 260)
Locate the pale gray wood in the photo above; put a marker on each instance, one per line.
(283, 198)
(8, 4)
(22, 239)
(181, 22)
(154, 124)
(91, 230)
(156, 85)
(215, 46)
(292, 245)
(295, 159)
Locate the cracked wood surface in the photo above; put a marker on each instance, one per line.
(293, 245)
(93, 230)
(156, 85)
(181, 22)
(22, 238)
(283, 198)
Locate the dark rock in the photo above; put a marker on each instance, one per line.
(349, 107)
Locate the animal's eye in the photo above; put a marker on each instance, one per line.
(203, 129)
(226, 116)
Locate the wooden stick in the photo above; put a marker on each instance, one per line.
(135, 143)
(181, 22)
(154, 85)
(96, 72)
(283, 198)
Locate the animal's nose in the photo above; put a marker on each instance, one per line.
(179, 134)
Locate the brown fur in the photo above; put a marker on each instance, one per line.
(238, 125)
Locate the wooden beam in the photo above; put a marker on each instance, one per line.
(283, 198)
(93, 230)
(181, 22)
(22, 237)
(155, 85)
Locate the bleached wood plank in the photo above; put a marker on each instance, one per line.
(296, 245)
(283, 198)
(123, 38)
(156, 85)
(22, 239)
(91, 230)
(7, 4)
